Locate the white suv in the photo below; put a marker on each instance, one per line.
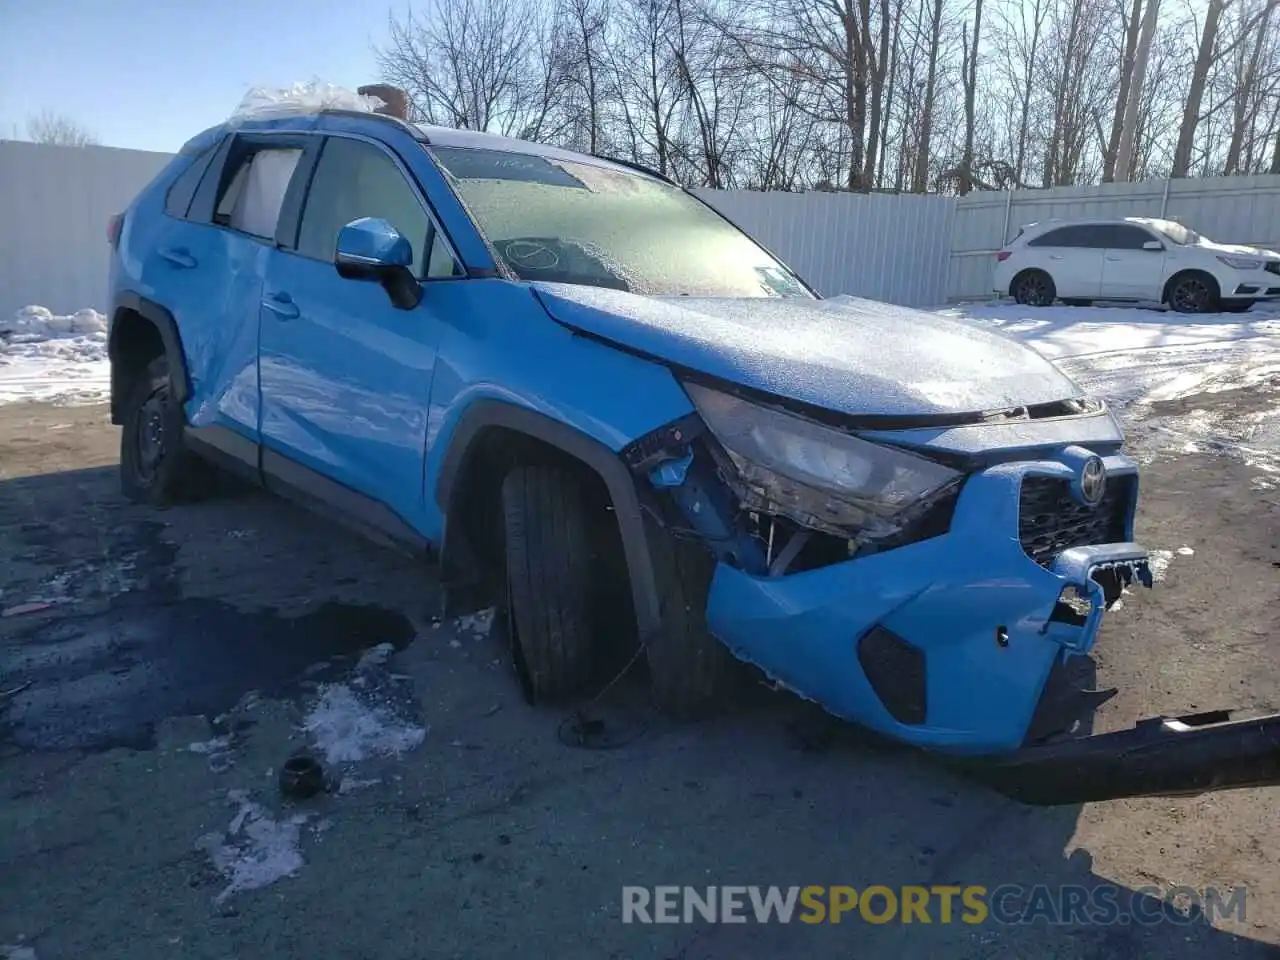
(1133, 258)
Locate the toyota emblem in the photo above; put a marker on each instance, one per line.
(1093, 481)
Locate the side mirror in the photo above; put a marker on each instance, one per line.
(1153, 245)
(372, 249)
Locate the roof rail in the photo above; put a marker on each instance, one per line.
(368, 115)
(633, 165)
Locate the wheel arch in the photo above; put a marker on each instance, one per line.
(138, 327)
(1026, 272)
(462, 476)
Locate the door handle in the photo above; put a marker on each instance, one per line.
(282, 305)
(1055, 256)
(178, 256)
(1114, 259)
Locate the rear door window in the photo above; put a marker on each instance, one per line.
(250, 201)
(1077, 235)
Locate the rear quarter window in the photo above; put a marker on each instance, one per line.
(177, 201)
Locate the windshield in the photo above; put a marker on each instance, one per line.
(567, 222)
(1177, 232)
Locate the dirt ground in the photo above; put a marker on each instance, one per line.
(145, 714)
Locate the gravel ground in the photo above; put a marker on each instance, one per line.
(186, 653)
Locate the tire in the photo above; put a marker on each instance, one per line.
(549, 581)
(1235, 306)
(1034, 288)
(692, 673)
(1193, 292)
(155, 466)
(1078, 303)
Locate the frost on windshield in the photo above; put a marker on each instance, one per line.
(300, 99)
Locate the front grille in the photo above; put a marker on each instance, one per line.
(1050, 520)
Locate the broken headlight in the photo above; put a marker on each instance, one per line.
(817, 476)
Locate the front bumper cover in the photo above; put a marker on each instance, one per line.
(985, 618)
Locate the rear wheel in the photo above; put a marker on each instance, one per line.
(1034, 288)
(155, 465)
(547, 612)
(1193, 293)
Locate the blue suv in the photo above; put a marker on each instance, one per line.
(594, 401)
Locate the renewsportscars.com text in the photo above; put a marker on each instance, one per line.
(1103, 904)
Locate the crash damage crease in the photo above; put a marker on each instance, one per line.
(1161, 756)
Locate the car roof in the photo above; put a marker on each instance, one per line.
(1038, 225)
(333, 120)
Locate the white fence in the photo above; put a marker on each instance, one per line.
(892, 248)
(1227, 209)
(908, 249)
(54, 206)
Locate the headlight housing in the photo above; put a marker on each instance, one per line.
(817, 476)
(1241, 263)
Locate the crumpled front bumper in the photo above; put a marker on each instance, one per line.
(946, 643)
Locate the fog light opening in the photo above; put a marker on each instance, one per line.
(1072, 607)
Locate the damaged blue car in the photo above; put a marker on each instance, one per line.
(583, 391)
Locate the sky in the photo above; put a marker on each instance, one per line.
(149, 74)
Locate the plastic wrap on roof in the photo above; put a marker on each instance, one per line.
(301, 99)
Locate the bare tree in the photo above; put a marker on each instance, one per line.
(908, 95)
(920, 178)
(1131, 31)
(1249, 93)
(1017, 41)
(970, 98)
(1195, 95)
(472, 64)
(581, 31)
(58, 129)
(1123, 164)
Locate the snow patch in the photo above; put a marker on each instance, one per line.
(1159, 563)
(216, 745)
(376, 656)
(477, 624)
(45, 356)
(352, 784)
(1185, 552)
(1140, 358)
(256, 849)
(347, 728)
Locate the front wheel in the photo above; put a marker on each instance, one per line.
(550, 582)
(1193, 293)
(1034, 288)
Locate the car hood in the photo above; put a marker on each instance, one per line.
(1239, 249)
(857, 357)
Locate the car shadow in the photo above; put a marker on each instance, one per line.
(773, 794)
